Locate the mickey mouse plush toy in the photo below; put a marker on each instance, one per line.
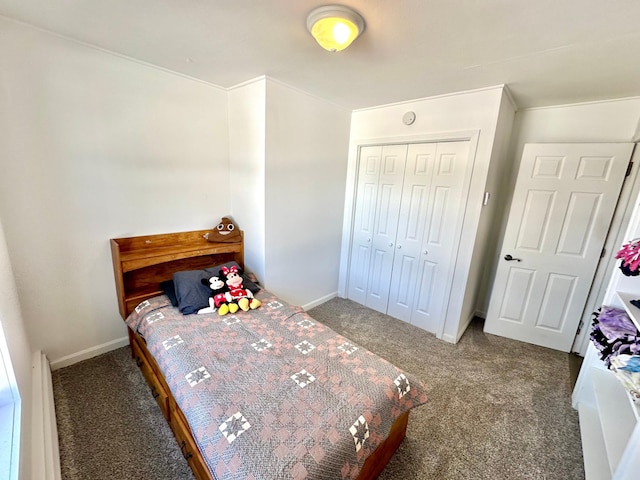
(237, 293)
(218, 299)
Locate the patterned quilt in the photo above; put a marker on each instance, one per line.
(273, 394)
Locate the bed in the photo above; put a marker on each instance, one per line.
(262, 394)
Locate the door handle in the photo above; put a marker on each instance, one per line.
(391, 244)
(509, 258)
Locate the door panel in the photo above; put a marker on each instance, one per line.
(582, 212)
(441, 207)
(559, 291)
(447, 195)
(390, 186)
(594, 168)
(547, 167)
(535, 219)
(387, 215)
(427, 276)
(402, 294)
(564, 200)
(359, 273)
(363, 222)
(378, 288)
(518, 287)
(411, 226)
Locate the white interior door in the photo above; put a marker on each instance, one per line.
(392, 165)
(447, 197)
(564, 200)
(411, 225)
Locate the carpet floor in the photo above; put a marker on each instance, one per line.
(498, 409)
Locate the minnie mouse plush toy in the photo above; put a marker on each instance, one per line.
(237, 293)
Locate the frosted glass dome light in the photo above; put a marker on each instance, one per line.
(335, 26)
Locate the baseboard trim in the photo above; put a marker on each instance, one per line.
(88, 353)
(319, 301)
(449, 338)
(45, 449)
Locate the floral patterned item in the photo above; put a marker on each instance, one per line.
(630, 256)
(624, 366)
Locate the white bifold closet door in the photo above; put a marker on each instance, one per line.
(379, 189)
(387, 207)
(407, 210)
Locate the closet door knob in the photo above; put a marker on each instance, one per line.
(399, 247)
(426, 252)
(368, 240)
(391, 244)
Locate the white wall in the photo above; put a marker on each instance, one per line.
(19, 350)
(444, 117)
(95, 146)
(499, 185)
(307, 145)
(607, 121)
(247, 120)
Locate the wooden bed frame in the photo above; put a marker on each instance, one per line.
(139, 265)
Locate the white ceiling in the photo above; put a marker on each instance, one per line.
(548, 52)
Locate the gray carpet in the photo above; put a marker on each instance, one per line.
(109, 425)
(498, 409)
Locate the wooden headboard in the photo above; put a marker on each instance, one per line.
(141, 263)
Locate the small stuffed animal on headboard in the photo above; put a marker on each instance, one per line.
(237, 293)
(225, 231)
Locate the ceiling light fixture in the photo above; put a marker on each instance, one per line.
(335, 26)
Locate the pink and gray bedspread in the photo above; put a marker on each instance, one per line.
(272, 393)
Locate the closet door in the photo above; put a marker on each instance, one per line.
(392, 165)
(449, 187)
(363, 222)
(411, 226)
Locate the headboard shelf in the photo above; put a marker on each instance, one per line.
(141, 263)
(156, 255)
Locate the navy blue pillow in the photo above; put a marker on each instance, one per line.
(169, 290)
(192, 295)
